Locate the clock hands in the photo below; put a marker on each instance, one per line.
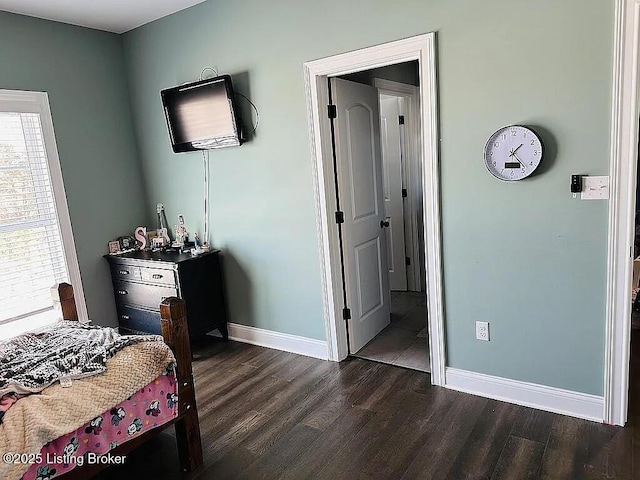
(518, 158)
(512, 153)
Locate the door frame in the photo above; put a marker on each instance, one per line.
(422, 49)
(625, 107)
(410, 171)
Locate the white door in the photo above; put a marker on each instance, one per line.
(359, 168)
(392, 178)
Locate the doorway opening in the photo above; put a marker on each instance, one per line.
(400, 337)
(352, 218)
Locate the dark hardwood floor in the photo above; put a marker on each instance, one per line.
(266, 414)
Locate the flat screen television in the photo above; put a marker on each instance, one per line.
(202, 115)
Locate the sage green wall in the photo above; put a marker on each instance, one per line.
(526, 257)
(82, 70)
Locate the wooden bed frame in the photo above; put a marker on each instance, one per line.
(176, 335)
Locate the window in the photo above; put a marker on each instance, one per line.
(36, 244)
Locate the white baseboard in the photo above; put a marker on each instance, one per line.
(551, 399)
(309, 347)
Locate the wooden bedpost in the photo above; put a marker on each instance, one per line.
(62, 294)
(176, 334)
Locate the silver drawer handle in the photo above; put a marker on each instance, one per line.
(156, 275)
(124, 272)
(123, 292)
(124, 317)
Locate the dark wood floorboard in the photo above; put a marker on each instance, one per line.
(533, 424)
(356, 454)
(266, 414)
(282, 453)
(482, 450)
(520, 459)
(329, 444)
(443, 442)
(355, 378)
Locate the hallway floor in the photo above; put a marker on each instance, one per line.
(405, 341)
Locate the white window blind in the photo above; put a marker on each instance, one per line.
(32, 254)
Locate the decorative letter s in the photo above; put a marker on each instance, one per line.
(141, 236)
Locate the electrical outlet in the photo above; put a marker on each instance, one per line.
(482, 331)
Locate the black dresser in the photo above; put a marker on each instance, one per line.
(142, 279)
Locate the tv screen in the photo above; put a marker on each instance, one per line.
(202, 115)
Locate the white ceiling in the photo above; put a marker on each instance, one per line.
(116, 16)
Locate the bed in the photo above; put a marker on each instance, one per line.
(153, 390)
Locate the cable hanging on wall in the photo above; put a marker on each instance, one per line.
(215, 72)
(205, 153)
(205, 165)
(255, 109)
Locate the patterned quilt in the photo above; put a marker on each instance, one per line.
(33, 361)
(38, 419)
(152, 406)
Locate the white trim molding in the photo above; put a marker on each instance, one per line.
(551, 399)
(422, 49)
(309, 347)
(621, 226)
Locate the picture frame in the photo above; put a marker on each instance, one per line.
(126, 243)
(114, 247)
(156, 241)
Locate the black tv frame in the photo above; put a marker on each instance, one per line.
(167, 93)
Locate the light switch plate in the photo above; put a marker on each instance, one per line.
(595, 188)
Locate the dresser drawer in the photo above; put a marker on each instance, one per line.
(142, 278)
(139, 320)
(125, 272)
(157, 275)
(148, 296)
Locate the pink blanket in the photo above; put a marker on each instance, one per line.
(152, 406)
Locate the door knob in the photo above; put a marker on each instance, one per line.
(384, 223)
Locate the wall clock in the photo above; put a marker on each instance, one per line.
(513, 153)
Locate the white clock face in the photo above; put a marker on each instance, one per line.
(512, 153)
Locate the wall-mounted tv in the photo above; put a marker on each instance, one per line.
(202, 115)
